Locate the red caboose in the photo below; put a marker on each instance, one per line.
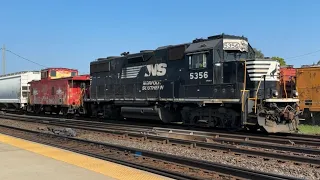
(58, 94)
(287, 81)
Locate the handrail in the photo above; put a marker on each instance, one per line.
(256, 96)
(244, 85)
(285, 88)
(82, 95)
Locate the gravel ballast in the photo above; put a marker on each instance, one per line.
(251, 162)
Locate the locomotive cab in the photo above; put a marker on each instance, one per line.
(240, 83)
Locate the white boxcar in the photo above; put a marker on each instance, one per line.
(14, 88)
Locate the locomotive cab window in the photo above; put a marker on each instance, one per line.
(197, 61)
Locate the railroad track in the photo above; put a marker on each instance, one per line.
(141, 122)
(146, 123)
(202, 140)
(163, 164)
(291, 139)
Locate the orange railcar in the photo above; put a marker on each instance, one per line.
(308, 86)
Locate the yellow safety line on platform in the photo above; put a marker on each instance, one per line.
(110, 169)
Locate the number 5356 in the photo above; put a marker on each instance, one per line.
(199, 75)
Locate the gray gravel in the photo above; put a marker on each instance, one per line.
(255, 163)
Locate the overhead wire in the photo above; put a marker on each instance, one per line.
(313, 52)
(25, 58)
(293, 57)
(28, 59)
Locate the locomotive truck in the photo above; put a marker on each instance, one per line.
(216, 82)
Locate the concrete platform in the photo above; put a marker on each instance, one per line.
(26, 160)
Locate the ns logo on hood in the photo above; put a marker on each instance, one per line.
(156, 70)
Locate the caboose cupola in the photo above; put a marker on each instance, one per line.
(55, 73)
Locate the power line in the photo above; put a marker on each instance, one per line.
(293, 57)
(25, 58)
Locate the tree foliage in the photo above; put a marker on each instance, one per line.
(258, 53)
(281, 60)
(318, 62)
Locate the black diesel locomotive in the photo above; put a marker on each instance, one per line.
(215, 82)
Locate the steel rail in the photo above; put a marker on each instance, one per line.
(224, 136)
(282, 137)
(188, 162)
(202, 142)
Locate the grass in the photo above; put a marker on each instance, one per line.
(308, 129)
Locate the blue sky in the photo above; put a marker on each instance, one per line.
(71, 33)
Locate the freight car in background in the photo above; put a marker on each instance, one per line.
(308, 86)
(215, 82)
(14, 89)
(59, 90)
(288, 82)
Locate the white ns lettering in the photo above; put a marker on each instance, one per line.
(156, 70)
(199, 75)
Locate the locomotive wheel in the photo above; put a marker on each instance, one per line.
(213, 117)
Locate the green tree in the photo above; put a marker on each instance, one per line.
(318, 62)
(281, 60)
(258, 53)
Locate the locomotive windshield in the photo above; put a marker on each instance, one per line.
(235, 55)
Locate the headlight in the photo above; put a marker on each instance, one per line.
(275, 93)
(295, 93)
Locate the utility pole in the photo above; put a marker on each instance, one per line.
(4, 59)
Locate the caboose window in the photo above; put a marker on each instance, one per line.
(53, 73)
(44, 74)
(73, 73)
(197, 61)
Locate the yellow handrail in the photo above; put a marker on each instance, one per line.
(244, 85)
(284, 87)
(82, 91)
(256, 96)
